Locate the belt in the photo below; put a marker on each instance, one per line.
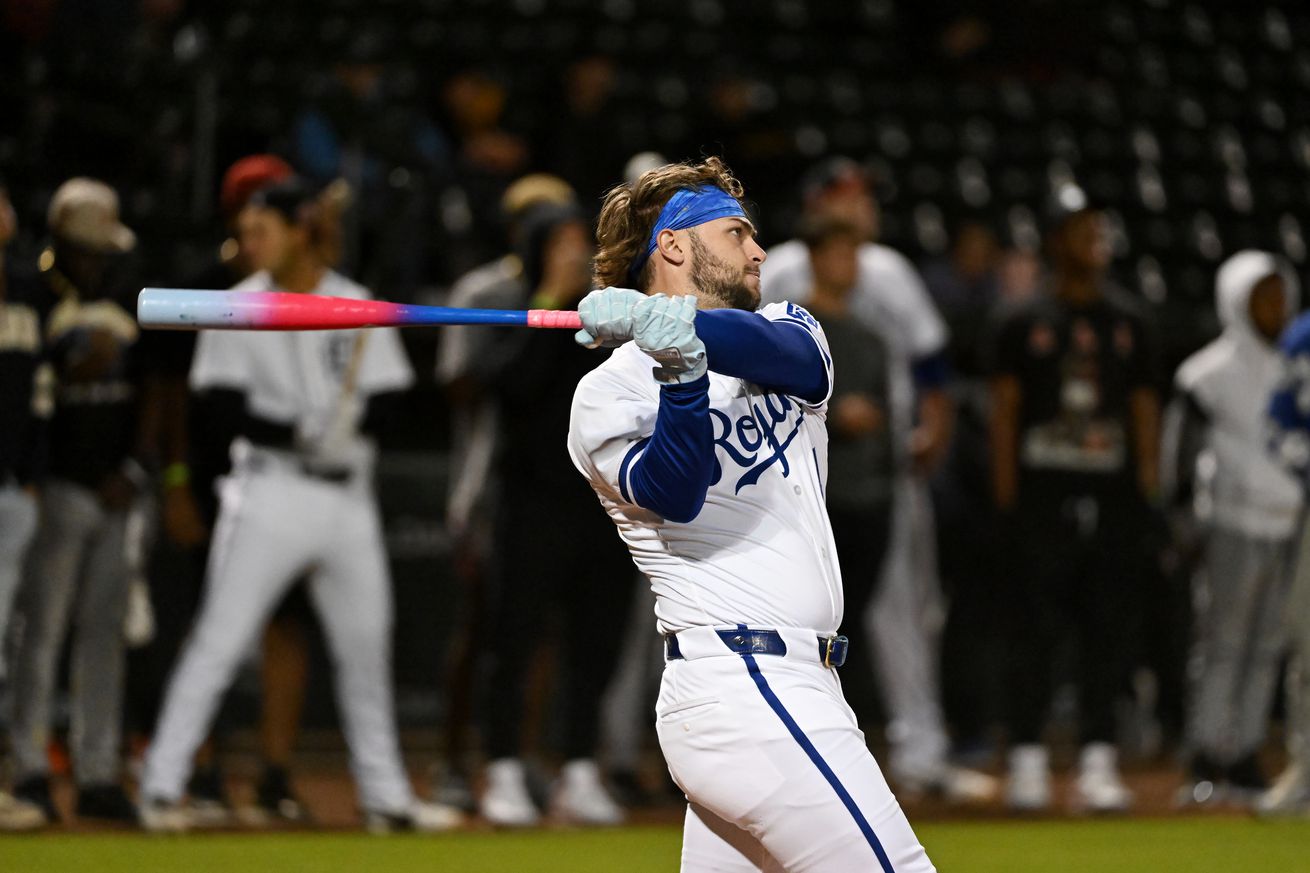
(334, 475)
(831, 650)
(272, 457)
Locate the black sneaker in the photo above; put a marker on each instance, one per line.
(451, 787)
(209, 804)
(36, 791)
(106, 803)
(275, 798)
(1246, 776)
(1204, 785)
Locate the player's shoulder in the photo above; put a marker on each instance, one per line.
(786, 254)
(785, 310)
(1204, 364)
(883, 259)
(482, 284)
(256, 281)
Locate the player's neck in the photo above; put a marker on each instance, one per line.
(301, 276)
(829, 301)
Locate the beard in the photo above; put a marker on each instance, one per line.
(718, 285)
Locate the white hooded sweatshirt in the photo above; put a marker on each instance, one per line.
(1230, 381)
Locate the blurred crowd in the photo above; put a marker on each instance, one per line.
(1066, 542)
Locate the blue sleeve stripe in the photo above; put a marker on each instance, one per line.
(631, 456)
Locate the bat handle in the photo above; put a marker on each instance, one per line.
(558, 318)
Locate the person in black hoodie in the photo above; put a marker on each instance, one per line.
(555, 554)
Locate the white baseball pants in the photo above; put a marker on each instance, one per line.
(275, 525)
(776, 772)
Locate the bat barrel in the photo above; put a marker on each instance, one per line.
(184, 309)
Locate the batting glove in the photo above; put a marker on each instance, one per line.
(665, 329)
(607, 317)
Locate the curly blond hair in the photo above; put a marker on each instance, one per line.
(630, 210)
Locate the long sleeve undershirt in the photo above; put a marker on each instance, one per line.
(670, 472)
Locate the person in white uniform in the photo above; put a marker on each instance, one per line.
(703, 436)
(908, 612)
(300, 499)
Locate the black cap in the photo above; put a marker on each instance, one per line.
(289, 197)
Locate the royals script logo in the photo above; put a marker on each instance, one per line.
(758, 440)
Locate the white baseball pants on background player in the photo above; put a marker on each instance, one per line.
(904, 624)
(75, 585)
(277, 523)
(782, 776)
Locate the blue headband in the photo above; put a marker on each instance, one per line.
(688, 207)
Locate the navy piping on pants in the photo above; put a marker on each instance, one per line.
(804, 742)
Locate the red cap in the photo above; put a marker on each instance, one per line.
(247, 176)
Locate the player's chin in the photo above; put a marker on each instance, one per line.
(750, 292)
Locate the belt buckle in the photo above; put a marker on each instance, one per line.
(834, 650)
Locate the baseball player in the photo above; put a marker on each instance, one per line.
(716, 481)
(906, 615)
(1249, 508)
(469, 361)
(300, 498)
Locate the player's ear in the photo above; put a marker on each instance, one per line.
(670, 247)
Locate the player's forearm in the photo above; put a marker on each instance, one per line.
(772, 354)
(932, 437)
(671, 473)
(1146, 437)
(1003, 429)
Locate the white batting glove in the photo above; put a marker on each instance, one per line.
(665, 329)
(607, 317)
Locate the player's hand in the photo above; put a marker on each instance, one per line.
(855, 415)
(607, 317)
(665, 328)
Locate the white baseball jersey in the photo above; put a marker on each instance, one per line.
(278, 519)
(890, 297)
(295, 377)
(760, 552)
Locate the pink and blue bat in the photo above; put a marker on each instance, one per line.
(184, 309)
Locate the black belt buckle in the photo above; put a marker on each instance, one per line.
(834, 650)
(331, 475)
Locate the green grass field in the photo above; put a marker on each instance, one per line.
(1155, 846)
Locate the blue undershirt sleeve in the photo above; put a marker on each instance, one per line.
(779, 355)
(669, 472)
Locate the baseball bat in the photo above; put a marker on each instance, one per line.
(184, 309)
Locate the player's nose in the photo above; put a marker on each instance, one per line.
(755, 251)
